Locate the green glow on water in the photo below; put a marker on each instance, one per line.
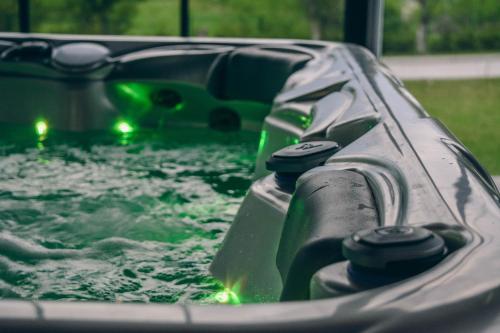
(85, 218)
(41, 128)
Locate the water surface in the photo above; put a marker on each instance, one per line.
(97, 217)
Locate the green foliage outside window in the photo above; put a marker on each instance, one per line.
(410, 26)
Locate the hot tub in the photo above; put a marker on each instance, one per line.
(364, 214)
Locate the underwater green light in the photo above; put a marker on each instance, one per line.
(41, 128)
(179, 106)
(227, 296)
(124, 127)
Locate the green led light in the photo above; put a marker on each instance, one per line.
(179, 106)
(123, 127)
(262, 141)
(41, 128)
(306, 121)
(227, 296)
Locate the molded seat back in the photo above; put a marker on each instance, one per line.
(254, 73)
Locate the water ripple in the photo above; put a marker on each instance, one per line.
(86, 218)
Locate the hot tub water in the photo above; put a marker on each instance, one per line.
(98, 217)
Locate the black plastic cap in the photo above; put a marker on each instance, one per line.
(394, 248)
(301, 157)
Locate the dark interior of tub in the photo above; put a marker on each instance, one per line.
(121, 173)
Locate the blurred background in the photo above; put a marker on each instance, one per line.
(446, 51)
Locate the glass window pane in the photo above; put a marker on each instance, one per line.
(304, 19)
(8, 15)
(116, 17)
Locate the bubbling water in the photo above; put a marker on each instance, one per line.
(95, 218)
